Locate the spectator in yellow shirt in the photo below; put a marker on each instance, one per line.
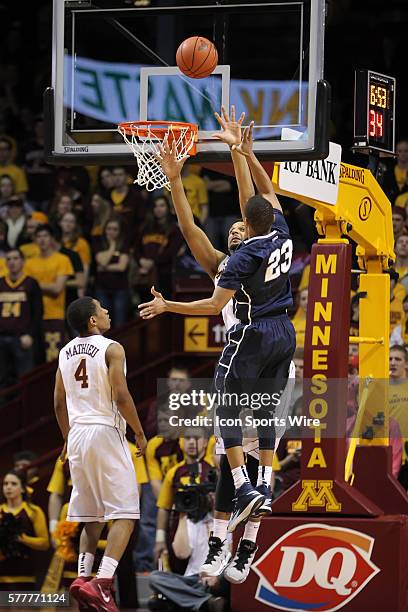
(72, 239)
(196, 192)
(16, 173)
(51, 270)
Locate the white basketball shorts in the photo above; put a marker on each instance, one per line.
(103, 476)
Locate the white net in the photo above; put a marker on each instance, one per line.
(144, 143)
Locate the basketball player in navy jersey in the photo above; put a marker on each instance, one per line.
(257, 276)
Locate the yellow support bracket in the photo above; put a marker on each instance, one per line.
(362, 212)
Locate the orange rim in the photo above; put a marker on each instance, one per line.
(157, 128)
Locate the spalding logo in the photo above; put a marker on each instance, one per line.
(315, 568)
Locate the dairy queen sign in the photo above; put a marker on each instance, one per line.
(315, 567)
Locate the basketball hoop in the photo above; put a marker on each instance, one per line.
(144, 139)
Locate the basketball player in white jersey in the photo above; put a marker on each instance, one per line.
(92, 405)
(214, 262)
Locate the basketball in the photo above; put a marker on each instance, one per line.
(197, 57)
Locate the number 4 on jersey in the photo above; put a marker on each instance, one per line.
(275, 267)
(81, 375)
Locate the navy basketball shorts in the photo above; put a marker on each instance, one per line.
(254, 362)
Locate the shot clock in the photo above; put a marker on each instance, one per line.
(374, 108)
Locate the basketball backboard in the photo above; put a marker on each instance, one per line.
(114, 61)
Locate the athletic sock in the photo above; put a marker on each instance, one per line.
(85, 564)
(240, 476)
(107, 567)
(264, 475)
(220, 527)
(251, 531)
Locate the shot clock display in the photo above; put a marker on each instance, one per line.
(374, 106)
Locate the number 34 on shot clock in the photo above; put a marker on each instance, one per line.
(374, 109)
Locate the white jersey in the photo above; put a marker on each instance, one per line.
(228, 311)
(86, 380)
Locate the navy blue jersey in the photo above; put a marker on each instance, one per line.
(259, 271)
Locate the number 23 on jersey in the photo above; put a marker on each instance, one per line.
(279, 261)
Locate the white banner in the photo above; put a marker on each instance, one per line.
(315, 179)
(110, 92)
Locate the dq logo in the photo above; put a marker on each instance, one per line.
(314, 568)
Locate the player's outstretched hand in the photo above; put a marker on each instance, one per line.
(141, 444)
(246, 144)
(149, 310)
(167, 158)
(231, 127)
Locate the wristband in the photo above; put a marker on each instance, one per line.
(160, 536)
(53, 525)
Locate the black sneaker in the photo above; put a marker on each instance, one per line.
(247, 501)
(237, 571)
(217, 558)
(266, 507)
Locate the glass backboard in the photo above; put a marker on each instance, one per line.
(114, 61)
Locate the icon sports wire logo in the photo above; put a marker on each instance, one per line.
(315, 568)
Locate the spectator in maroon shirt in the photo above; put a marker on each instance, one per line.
(21, 312)
(157, 245)
(112, 265)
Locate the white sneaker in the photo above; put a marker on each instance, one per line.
(238, 569)
(217, 558)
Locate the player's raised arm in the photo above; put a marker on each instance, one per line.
(260, 176)
(209, 306)
(115, 357)
(231, 135)
(203, 251)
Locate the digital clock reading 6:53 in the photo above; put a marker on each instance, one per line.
(374, 111)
